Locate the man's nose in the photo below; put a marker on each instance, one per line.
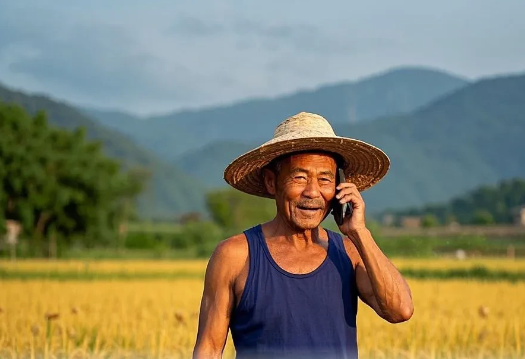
(312, 189)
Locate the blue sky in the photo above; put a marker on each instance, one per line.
(155, 56)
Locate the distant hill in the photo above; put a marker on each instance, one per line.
(397, 91)
(208, 163)
(487, 204)
(171, 191)
(471, 137)
(123, 122)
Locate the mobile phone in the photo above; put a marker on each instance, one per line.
(340, 211)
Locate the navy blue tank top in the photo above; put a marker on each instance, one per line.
(286, 315)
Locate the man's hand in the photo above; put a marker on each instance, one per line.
(379, 283)
(348, 193)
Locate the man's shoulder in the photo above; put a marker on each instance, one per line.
(232, 252)
(233, 246)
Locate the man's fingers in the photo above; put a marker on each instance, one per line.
(346, 193)
(350, 197)
(346, 185)
(348, 190)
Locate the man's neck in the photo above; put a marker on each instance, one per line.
(297, 237)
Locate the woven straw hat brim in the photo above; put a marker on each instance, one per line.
(365, 164)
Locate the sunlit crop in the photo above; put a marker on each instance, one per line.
(105, 266)
(166, 266)
(158, 318)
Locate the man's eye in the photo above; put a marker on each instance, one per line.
(325, 180)
(301, 178)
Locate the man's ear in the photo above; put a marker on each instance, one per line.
(270, 181)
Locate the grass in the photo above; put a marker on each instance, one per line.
(478, 273)
(94, 276)
(489, 269)
(429, 247)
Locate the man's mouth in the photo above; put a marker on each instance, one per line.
(309, 209)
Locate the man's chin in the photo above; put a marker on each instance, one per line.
(307, 224)
(305, 220)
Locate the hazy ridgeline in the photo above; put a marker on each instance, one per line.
(445, 136)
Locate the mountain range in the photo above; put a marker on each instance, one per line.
(472, 136)
(172, 135)
(444, 134)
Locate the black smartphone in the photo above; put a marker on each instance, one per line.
(340, 211)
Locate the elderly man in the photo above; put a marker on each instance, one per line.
(288, 288)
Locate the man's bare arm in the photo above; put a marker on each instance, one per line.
(218, 298)
(379, 283)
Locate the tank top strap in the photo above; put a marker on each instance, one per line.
(254, 248)
(255, 261)
(340, 250)
(337, 239)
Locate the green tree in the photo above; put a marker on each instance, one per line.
(59, 185)
(429, 220)
(235, 210)
(494, 204)
(482, 217)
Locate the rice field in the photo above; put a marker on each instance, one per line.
(158, 318)
(105, 266)
(198, 266)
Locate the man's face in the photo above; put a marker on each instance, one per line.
(304, 187)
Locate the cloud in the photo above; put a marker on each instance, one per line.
(299, 37)
(247, 27)
(105, 60)
(274, 37)
(16, 31)
(195, 27)
(192, 26)
(93, 62)
(197, 61)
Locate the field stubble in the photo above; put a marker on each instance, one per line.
(158, 319)
(199, 265)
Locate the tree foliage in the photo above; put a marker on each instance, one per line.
(429, 220)
(170, 191)
(483, 205)
(235, 210)
(59, 185)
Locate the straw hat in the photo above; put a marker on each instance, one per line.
(364, 164)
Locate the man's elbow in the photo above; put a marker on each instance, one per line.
(403, 314)
(206, 352)
(207, 347)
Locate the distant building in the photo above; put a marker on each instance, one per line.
(123, 229)
(454, 225)
(519, 216)
(13, 229)
(411, 222)
(388, 220)
(190, 217)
